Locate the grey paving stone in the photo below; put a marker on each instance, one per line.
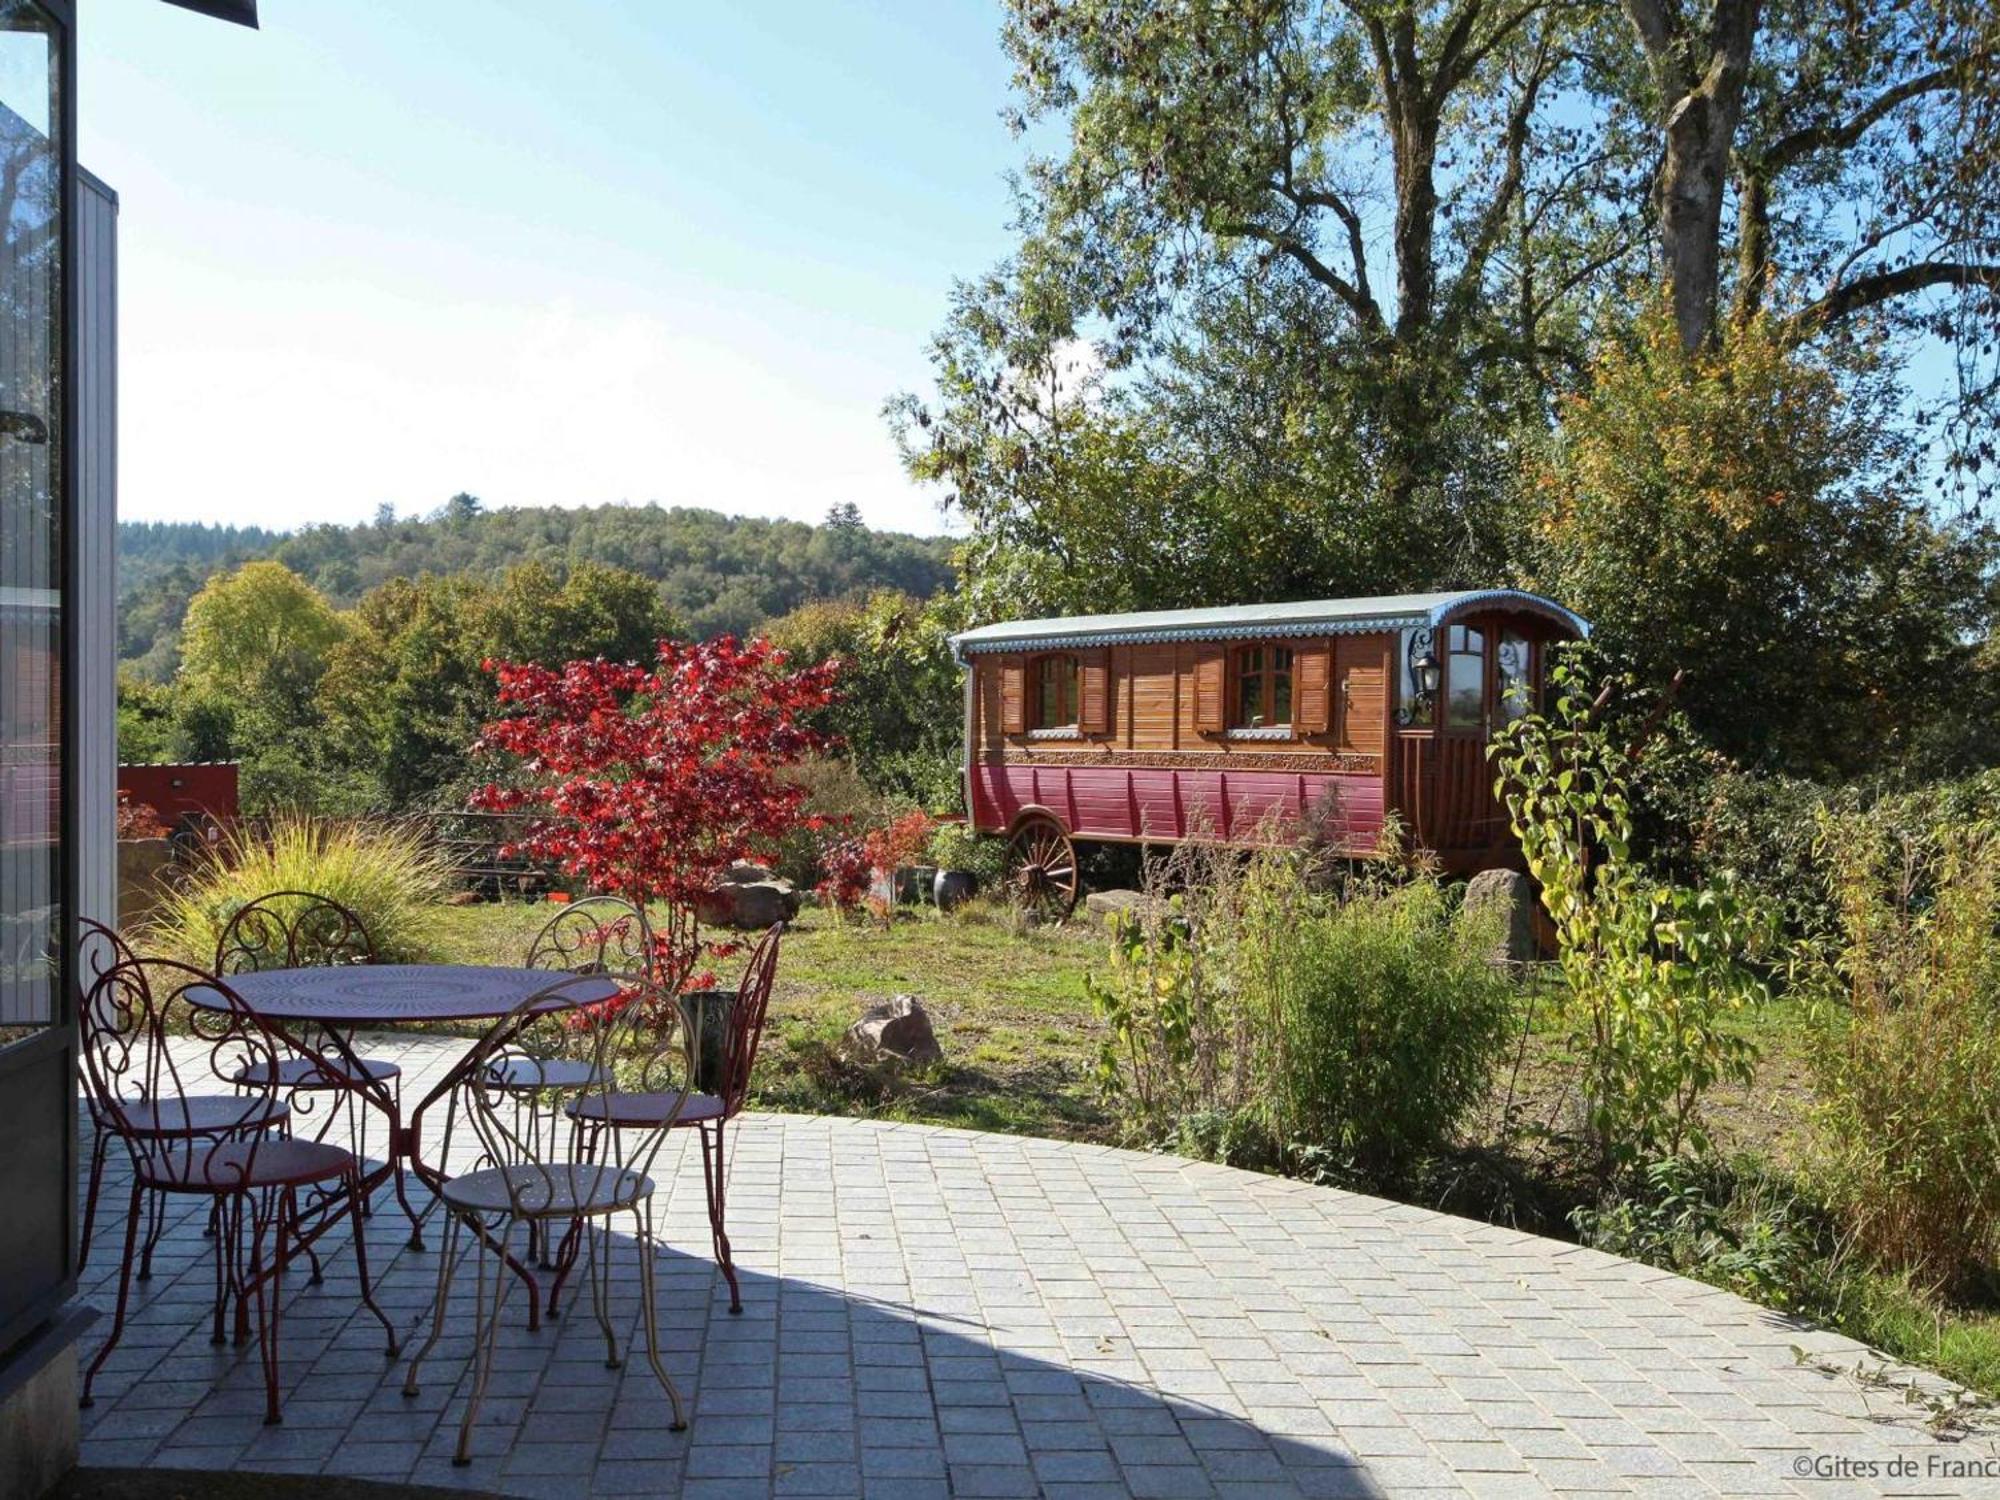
(933, 1312)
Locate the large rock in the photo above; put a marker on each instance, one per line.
(749, 905)
(900, 1028)
(746, 872)
(1507, 899)
(1114, 903)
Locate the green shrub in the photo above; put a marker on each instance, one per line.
(1657, 974)
(1391, 1022)
(954, 846)
(835, 794)
(1908, 1062)
(386, 875)
(1740, 1227)
(1255, 1018)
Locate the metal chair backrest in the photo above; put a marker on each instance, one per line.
(647, 1041)
(292, 930)
(99, 950)
(131, 1065)
(597, 935)
(745, 1026)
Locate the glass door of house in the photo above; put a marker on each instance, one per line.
(37, 1026)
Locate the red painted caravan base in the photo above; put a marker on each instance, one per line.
(1116, 802)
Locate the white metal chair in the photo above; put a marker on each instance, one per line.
(525, 1177)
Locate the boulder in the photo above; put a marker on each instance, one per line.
(1114, 903)
(751, 905)
(746, 872)
(900, 1029)
(1507, 898)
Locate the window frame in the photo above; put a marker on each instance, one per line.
(1032, 708)
(1267, 674)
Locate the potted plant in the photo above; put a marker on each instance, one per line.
(965, 861)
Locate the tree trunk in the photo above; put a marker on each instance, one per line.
(1753, 243)
(1416, 223)
(1704, 79)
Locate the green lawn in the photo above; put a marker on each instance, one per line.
(1020, 1047)
(1008, 1005)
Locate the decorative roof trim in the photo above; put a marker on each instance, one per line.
(1263, 630)
(1517, 599)
(1266, 629)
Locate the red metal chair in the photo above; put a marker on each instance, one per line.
(525, 1177)
(707, 1113)
(142, 1092)
(99, 950)
(297, 930)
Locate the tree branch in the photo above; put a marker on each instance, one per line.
(1834, 137)
(1494, 220)
(1884, 286)
(1340, 208)
(1289, 244)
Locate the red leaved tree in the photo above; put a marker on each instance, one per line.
(648, 782)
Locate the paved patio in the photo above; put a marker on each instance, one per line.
(937, 1312)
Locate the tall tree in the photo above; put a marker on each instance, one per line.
(1850, 144)
(1238, 163)
(258, 640)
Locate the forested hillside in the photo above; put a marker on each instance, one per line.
(715, 572)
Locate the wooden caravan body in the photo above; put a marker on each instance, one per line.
(1217, 723)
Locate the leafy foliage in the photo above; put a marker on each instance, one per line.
(1272, 1022)
(715, 573)
(648, 782)
(405, 695)
(1909, 1064)
(1747, 516)
(899, 713)
(1657, 973)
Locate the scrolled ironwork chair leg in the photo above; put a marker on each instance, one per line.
(447, 1266)
(599, 1271)
(489, 1337)
(124, 1296)
(268, 1291)
(714, 1178)
(97, 1144)
(156, 1219)
(643, 1239)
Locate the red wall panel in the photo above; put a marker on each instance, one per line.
(1121, 803)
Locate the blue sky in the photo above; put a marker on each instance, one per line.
(548, 253)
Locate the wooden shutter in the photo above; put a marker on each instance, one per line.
(1093, 692)
(1363, 682)
(1013, 696)
(1312, 712)
(1211, 683)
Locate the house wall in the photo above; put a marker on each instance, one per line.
(96, 602)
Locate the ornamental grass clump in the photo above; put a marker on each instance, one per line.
(1908, 1055)
(388, 876)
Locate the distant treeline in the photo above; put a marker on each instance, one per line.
(715, 573)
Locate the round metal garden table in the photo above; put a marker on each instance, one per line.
(340, 999)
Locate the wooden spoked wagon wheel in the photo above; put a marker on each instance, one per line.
(1042, 868)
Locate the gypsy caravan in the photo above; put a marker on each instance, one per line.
(1214, 723)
